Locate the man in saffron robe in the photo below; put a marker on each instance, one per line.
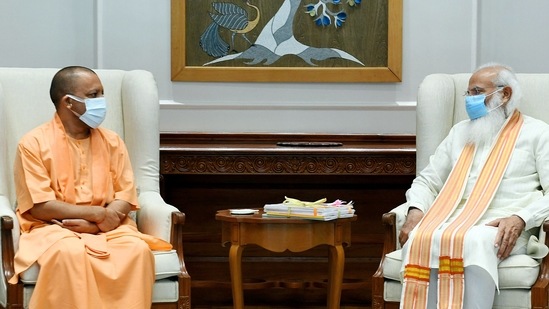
(75, 188)
(479, 200)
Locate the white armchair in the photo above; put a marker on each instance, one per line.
(523, 280)
(132, 113)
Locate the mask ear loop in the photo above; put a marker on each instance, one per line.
(501, 88)
(69, 106)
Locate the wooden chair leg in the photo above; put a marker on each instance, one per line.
(539, 296)
(14, 295)
(389, 245)
(377, 291)
(540, 289)
(184, 301)
(14, 292)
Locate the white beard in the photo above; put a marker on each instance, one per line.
(485, 129)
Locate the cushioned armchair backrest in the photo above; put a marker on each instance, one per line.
(440, 105)
(132, 100)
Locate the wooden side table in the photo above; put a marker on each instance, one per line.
(281, 234)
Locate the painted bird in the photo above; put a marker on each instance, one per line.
(231, 17)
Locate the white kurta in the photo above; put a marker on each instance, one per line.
(522, 191)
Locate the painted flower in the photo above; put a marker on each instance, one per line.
(323, 21)
(340, 19)
(353, 2)
(310, 9)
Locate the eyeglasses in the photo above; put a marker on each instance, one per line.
(478, 90)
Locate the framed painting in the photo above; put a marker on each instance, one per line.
(286, 40)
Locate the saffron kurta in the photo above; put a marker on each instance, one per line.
(522, 192)
(78, 270)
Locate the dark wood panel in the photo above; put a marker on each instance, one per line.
(203, 173)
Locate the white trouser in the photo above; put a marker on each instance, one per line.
(480, 289)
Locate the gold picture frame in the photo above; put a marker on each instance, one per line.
(183, 69)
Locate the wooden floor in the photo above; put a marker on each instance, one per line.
(273, 299)
(281, 307)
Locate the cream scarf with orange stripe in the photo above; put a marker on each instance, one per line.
(451, 279)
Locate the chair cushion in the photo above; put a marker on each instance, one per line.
(517, 271)
(392, 265)
(506, 299)
(166, 265)
(392, 290)
(165, 291)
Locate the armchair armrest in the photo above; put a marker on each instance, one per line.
(155, 216)
(6, 210)
(162, 220)
(542, 237)
(8, 252)
(9, 227)
(542, 283)
(9, 238)
(392, 221)
(400, 213)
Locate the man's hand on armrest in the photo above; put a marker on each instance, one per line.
(412, 219)
(509, 230)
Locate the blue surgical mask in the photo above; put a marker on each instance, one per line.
(96, 110)
(475, 107)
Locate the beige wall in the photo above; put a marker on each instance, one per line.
(439, 36)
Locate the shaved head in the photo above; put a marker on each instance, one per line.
(65, 81)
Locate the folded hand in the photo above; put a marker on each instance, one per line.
(78, 225)
(111, 220)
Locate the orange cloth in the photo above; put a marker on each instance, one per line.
(108, 270)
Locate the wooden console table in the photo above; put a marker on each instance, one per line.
(204, 173)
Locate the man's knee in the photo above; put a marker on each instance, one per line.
(132, 244)
(70, 248)
(480, 288)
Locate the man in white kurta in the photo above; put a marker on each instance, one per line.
(519, 205)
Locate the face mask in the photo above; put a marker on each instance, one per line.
(475, 107)
(96, 110)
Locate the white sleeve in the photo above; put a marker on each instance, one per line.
(427, 185)
(535, 213)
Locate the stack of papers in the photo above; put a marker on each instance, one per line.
(319, 210)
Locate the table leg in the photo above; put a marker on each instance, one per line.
(235, 265)
(336, 261)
